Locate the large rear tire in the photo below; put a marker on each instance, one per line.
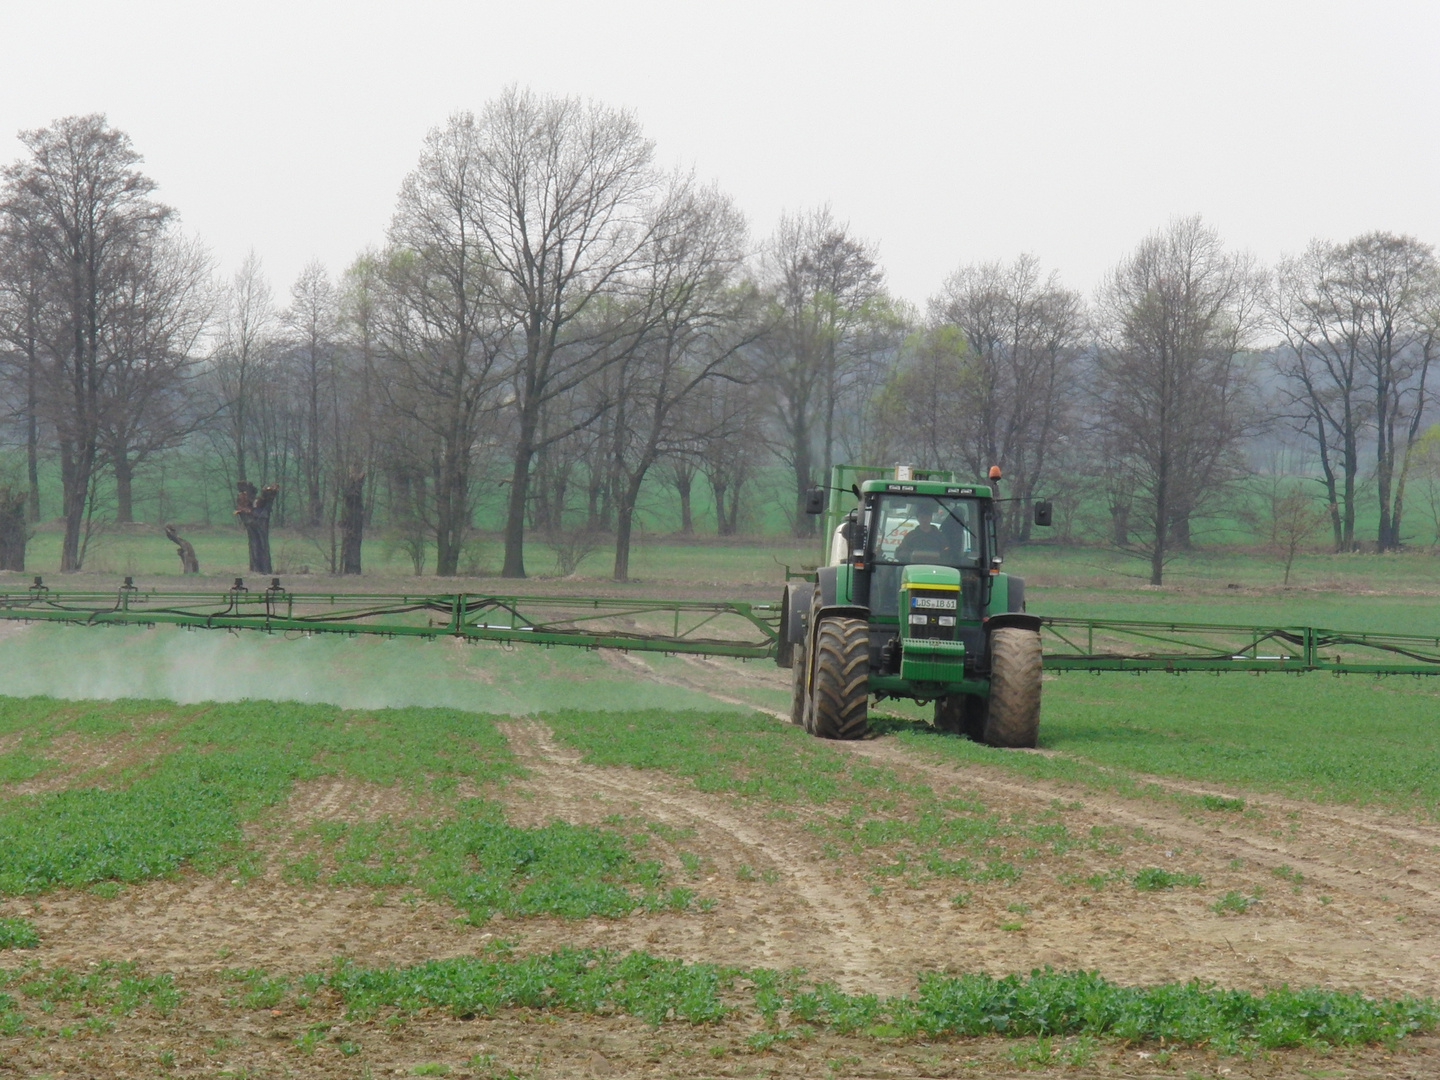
(799, 679)
(841, 696)
(1013, 719)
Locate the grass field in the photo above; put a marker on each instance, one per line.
(441, 860)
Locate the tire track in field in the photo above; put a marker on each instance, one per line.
(833, 924)
(634, 665)
(1326, 853)
(1320, 860)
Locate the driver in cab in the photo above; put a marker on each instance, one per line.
(928, 542)
(924, 543)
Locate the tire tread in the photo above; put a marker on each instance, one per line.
(1013, 718)
(841, 693)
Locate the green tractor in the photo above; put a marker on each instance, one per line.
(910, 602)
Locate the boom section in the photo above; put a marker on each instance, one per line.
(1131, 645)
(705, 628)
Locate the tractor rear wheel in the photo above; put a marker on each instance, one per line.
(840, 699)
(1013, 719)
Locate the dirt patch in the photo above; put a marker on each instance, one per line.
(351, 801)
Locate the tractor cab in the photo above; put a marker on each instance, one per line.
(915, 529)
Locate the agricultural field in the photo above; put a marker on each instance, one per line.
(244, 856)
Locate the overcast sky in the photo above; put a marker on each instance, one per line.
(947, 133)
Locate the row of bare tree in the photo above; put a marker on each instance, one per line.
(552, 313)
(1151, 401)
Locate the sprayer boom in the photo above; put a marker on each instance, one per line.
(721, 628)
(707, 628)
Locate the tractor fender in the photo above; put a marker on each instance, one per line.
(825, 581)
(845, 611)
(1013, 618)
(1015, 593)
(795, 608)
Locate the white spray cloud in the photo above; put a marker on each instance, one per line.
(358, 673)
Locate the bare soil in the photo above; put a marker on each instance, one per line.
(1358, 909)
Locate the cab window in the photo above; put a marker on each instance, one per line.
(926, 529)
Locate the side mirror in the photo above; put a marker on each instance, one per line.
(1044, 510)
(815, 501)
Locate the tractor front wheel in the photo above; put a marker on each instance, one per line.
(1013, 718)
(840, 699)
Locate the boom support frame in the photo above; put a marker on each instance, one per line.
(730, 628)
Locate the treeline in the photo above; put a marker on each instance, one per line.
(553, 315)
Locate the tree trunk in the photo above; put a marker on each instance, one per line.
(75, 487)
(719, 492)
(452, 513)
(32, 442)
(515, 506)
(804, 525)
(124, 505)
(683, 482)
(629, 495)
(352, 523)
(13, 532)
(1180, 529)
(732, 522)
(1120, 524)
(1332, 495)
(253, 510)
(189, 564)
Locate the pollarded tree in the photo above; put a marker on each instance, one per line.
(1172, 386)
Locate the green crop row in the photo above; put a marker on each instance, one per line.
(222, 766)
(484, 866)
(1045, 1002)
(600, 983)
(107, 987)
